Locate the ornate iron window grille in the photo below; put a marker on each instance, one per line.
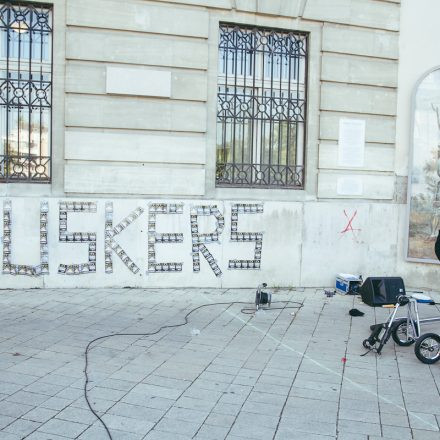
(261, 107)
(25, 92)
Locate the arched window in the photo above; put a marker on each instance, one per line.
(424, 182)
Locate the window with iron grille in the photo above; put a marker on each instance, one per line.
(261, 107)
(25, 92)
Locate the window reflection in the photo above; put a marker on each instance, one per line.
(25, 92)
(260, 107)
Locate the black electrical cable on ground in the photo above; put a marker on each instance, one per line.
(246, 311)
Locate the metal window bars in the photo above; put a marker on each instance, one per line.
(25, 92)
(261, 107)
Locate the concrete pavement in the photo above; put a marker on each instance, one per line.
(281, 374)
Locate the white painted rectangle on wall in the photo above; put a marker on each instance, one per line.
(349, 186)
(351, 145)
(138, 82)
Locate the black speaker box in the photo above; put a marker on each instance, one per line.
(380, 291)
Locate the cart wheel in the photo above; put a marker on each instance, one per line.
(400, 335)
(427, 348)
(366, 344)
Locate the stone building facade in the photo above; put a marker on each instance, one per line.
(140, 193)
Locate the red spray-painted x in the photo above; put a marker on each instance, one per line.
(349, 226)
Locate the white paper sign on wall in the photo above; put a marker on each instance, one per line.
(351, 145)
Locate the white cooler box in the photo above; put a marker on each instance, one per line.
(347, 283)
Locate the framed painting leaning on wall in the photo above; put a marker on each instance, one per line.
(424, 186)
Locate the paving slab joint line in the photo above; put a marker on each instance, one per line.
(317, 363)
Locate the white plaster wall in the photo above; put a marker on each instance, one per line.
(280, 223)
(303, 244)
(331, 246)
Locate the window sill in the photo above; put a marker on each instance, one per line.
(24, 189)
(263, 194)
